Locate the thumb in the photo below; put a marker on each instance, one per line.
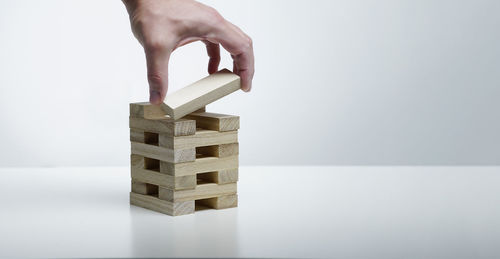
(157, 65)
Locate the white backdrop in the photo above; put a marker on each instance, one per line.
(337, 82)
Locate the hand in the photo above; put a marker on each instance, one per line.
(163, 26)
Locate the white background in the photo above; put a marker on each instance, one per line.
(337, 82)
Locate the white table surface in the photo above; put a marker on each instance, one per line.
(334, 212)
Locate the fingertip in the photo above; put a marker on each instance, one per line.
(212, 68)
(247, 87)
(155, 97)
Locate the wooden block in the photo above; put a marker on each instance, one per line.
(223, 150)
(200, 165)
(219, 177)
(136, 161)
(215, 121)
(202, 191)
(168, 126)
(227, 176)
(146, 110)
(199, 139)
(163, 154)
(141, 136)
(202, 109)
(144, 188)
(222, 202)
(200, 93)
(165, 180)
(137, 135)
(141, 174)
(162, 206)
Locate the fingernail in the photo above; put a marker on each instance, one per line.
(247, 88)
(154, 97)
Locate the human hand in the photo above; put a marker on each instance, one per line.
(163, 26)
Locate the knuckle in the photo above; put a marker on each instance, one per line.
(214, 17)
(155, 81)
(154, 43)
(246, 45)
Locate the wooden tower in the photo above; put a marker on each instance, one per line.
(182, 157)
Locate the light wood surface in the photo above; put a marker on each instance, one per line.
(163, 154)
(144, 188)
(215, 121)
(202, 109)
(199, 139)
(220, 177)
(146, 110)
(141, 174)
(137, 135)
(177, 167)
(222, 202)
(202, 191)
(200, 93)
(165, 180)
(223, 150)
(162, 206)
(227, 176)
(168, 126)
(200, 165)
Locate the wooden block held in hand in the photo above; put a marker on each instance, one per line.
(200, 93)
(202, 109)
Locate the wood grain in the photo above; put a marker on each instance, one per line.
(200, 165)
(202, 109)
(222, 202)
(144, 188)
(163, 154)
(165, 180)
(223, 150)
(137, 135)
(162, 206)
(202, 191)
(200, 138)
(146, 110)
(215, 121)
(219, 177)
(140, 174)
(200, 93)
(167, 126)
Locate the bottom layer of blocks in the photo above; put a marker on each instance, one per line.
(153, 202)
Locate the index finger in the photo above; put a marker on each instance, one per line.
(236, 42)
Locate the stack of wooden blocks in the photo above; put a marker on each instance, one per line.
(179, 165)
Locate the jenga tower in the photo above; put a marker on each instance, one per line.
(187, 163)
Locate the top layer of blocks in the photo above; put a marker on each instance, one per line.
(152, 118)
